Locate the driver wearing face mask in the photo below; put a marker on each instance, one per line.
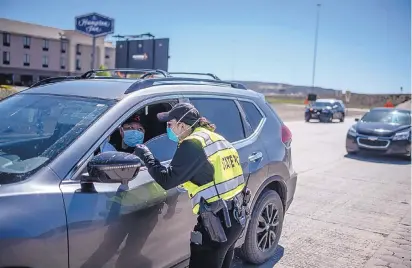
(132, 133)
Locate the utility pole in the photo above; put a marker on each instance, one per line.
(316, 46)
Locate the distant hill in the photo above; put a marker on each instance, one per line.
(279, 88)
(358, 100)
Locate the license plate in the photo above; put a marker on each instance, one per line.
(372, 138)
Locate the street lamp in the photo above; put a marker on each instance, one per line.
(316, 46)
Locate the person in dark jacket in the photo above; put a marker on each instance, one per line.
(208, 167)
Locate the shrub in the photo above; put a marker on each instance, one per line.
(6, 91)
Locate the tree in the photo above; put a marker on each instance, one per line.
(104, 73)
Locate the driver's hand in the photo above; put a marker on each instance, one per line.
(142, 151)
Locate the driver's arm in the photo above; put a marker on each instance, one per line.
(188, 160)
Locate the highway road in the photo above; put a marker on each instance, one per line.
(347, 212)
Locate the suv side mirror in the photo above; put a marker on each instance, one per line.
(356, 119)
(112, 167)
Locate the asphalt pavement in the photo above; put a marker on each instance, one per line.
(347, 212)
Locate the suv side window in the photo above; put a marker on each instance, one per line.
(224, 114)
(253, 115)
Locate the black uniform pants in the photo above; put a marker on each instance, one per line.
(212, 254)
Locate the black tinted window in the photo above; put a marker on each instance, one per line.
(253, 115)
(162, 147)
(224, 114)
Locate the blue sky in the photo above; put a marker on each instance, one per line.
(363, 45)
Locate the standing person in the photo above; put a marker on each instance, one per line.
(208, 167)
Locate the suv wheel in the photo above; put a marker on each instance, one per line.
(342, 117)
(265, 228)
(307, 117)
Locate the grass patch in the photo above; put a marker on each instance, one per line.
(275, 100)
(6, 91)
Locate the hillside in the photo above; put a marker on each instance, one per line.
(298, 93)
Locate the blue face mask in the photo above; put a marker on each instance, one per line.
(133, 137)
(172, 136)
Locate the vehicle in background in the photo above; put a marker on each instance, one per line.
(384, 131)
(62, 203)
(325, 110)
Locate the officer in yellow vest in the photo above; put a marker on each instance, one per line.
(208, 167)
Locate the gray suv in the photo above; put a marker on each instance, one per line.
(53, 213)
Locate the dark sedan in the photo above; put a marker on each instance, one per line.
(326, 110)
(383, 131)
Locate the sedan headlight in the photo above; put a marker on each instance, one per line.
(404, 135)
(352, 132)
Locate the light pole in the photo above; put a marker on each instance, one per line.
(316, 46)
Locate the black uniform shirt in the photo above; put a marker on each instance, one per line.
(188, 164)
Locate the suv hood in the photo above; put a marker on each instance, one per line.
(320, 107)
(379, 129)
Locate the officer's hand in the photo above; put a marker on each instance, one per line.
(142, 151)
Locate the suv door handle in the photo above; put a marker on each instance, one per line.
(255, 156)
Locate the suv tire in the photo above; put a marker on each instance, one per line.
(342, 118)
(251, 251)
(307, 117)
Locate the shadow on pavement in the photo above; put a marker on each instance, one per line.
(322, 122)
(238, 263)
(379, 159)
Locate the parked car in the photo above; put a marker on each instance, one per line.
(326, 110)
(384, 131)
(56, 212)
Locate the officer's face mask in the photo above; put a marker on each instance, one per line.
(133, 137)
(175, 136)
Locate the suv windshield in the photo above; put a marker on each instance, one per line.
(321, 104)
(390, 117)
(36, 128)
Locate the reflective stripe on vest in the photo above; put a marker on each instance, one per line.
(228, 174)
(222, 188)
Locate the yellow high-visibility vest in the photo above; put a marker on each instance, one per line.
(228, 180)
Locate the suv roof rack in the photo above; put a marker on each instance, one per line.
(91, 75)
(146, 72)
(204, 74)
(141, 84)
(54, 80)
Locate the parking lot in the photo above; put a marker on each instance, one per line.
(347, 212)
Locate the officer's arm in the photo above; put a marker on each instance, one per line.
(187, 161)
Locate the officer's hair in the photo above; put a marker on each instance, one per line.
(203, 122)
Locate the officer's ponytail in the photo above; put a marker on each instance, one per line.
(203, 122)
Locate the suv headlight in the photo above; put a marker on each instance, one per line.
(404, 135)
(352, 132)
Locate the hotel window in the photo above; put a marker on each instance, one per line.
(6, 57)
(45, 61)
(62, 63)
(78, 50)
(26, 60)
(78, 65)
(45, 45)
(26, 42)
(6, 39)
(63, 47)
